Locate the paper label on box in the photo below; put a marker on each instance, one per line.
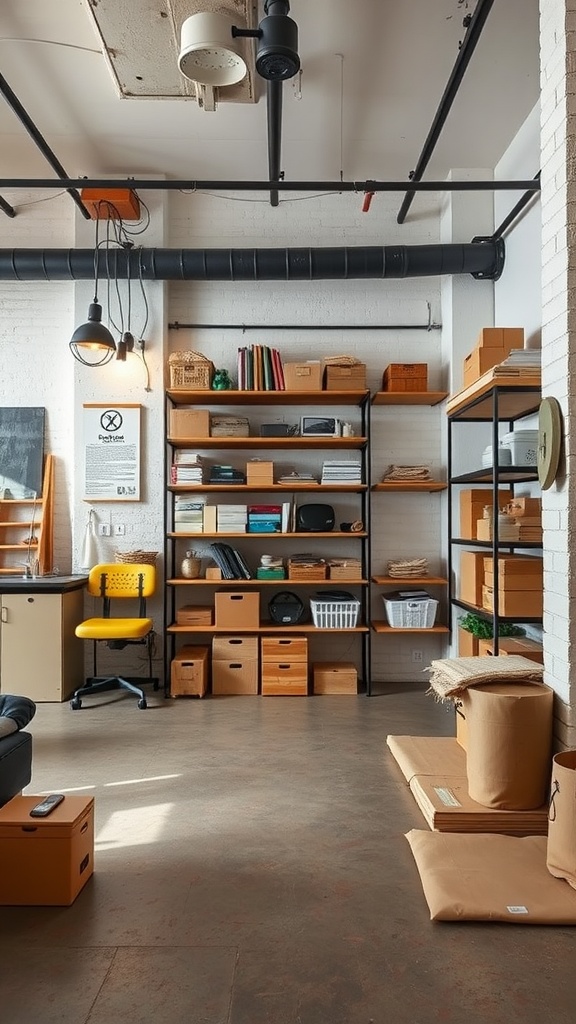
(517, 910)
(447, 796)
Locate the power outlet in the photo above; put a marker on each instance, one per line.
(417, 656)
(119, 530)
(103, 529)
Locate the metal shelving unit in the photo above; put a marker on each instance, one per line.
(495, 403)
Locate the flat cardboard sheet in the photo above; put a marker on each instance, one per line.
(490, 878)
(447, 807)
(428, 755)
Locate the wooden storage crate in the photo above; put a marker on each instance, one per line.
(190, 371)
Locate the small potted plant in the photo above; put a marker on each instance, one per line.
(474, 628)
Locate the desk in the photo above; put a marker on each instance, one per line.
(41, 658)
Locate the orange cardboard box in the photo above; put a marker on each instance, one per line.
(479, 361)
(471, 577)
(45, 862)
(237, 609)
(305, 376)
(520, 604)
(472, 504)
(185, 423)
(468, 644)
(397, 377)
(189, 672)
(345, 378)
(501, 337)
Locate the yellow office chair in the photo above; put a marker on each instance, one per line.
(111, 582)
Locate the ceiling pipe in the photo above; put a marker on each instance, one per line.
(187, 185)
(473, 33)
(274, 115)
(484, 260)
(40, 142)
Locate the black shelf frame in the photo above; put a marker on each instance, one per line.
(499, 404)
(361, 400)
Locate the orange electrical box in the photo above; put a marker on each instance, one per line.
(45, 861)
(111, 203)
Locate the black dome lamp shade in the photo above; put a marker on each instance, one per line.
(92, 343)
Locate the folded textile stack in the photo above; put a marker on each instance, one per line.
(450, 677)
(402, 568)
(408, 473)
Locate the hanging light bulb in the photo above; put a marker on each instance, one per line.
(125, 345)
(92, 343)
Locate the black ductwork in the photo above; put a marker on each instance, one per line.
(483, 260)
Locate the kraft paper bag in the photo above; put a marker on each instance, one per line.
(490, 878)
(509, 744)
(561, 852)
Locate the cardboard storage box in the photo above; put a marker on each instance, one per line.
(400, 377)
(508, 582)
(186, 423)
(519, 645)
(472, 504)
(235, 648)
(235, 677)
(334, 677)
(471, 577)
(237, 609)
(480, 360)
(520, 604)
(284, 678)
(305, 376)
(194, 615)
(468, 644)
(189, 672)
(530, 566)
(260, 473)
(501, 337)
(45, 862)
(345, 378)
(284, 648)
(520, 508)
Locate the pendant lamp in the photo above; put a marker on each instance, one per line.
(92, 343)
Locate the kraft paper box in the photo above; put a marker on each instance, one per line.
(518, 603)
(471, 577)
(305, 376)
(501, 337)
(468, 646)
(236, 609)
(259, 472)
(427, 755)
(235, 677)
(472, 503)
(191, 423)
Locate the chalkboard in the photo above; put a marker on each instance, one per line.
(21, 451)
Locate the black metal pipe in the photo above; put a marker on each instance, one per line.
(514, 212)
(179, 185)
(274, 118)
(40, 141)
(477, 22)
(175, 325)
(6, 208)
(483, 259)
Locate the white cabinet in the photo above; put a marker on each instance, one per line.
(40, 656)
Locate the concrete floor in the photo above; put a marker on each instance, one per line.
(251, 868)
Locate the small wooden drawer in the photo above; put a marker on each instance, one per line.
(235, 648)
(283, 678)
(334, 677)
(284, 648)
(234, 677)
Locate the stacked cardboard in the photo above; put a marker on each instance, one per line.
(472, 505)
(405, 377)
(520, 585)
(494, 344)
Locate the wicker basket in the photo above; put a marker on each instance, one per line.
(190, 371)
(137, 556)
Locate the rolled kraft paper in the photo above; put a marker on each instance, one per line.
(509, 744)
(561, 849)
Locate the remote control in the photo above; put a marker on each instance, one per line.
(47, 805)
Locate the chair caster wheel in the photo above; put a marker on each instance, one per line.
(142, 704)
(76, 704)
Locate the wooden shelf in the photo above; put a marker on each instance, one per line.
(40, 525)
(266, 536)
(181, 582)
(412, 581)
(268, 443)
(311, 398)
(383, 627)
(517, 397)
(263, 488)
(411, 485)
(409, 397)
(265, 628)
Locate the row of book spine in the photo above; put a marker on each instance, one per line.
(260, 369)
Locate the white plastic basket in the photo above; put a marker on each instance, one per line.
(407, 614)
(523, 445)
(335, 614)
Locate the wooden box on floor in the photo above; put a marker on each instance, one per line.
(45, 862)
(284, 669)
(334, 677)
(189, 672)
(239, 678)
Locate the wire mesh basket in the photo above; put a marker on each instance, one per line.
(416, 614)
(335, 614)
(190, 371)
(138, 556)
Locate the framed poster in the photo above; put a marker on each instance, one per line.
(111, 452)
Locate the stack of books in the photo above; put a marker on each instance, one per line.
(231, 518)
(264, 518)
(226, 475)
(188, 514)
(187, 467)
(230, 562)
(341, 471)
(522, 362)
